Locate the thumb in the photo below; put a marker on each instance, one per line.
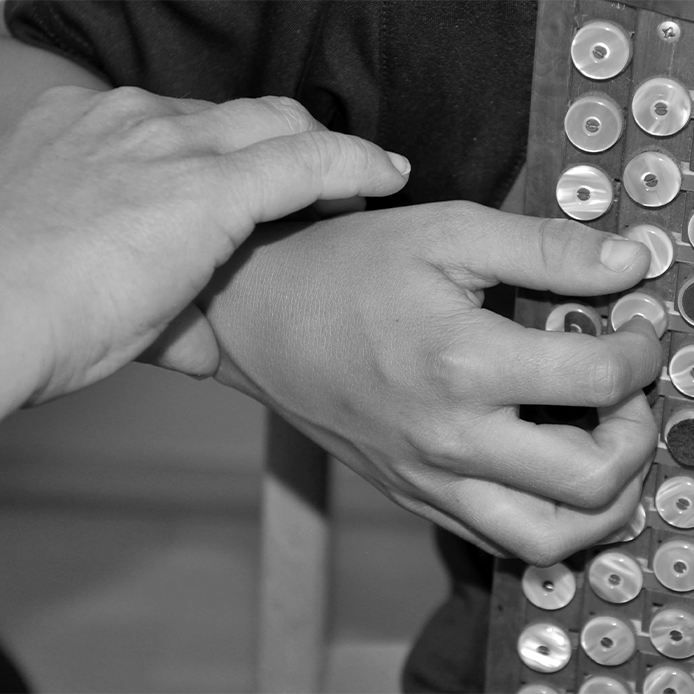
(558, 255)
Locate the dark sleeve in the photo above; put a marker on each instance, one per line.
(205, 49)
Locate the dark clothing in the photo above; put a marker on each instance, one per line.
(447, 84)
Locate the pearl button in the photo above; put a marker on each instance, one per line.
(600, 50)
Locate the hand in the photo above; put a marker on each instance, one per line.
(116, 207)
(366, 333)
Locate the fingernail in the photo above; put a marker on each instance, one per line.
(402, 164)
(618, 253)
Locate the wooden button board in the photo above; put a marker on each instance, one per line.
(617, 617)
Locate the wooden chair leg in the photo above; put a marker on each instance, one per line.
(294, 570)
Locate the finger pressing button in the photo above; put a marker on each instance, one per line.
(630, 531)
(658, 243)
(639, 304)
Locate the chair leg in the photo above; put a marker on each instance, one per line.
(294, 571)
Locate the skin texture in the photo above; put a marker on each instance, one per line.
(117, 206)
(365, 331)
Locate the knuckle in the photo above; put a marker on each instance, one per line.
(608, 376)
(155, 134)
(556, 239)
(597, 486)
(436, 442)
(124, 104)
(292, 113)
(544, 548)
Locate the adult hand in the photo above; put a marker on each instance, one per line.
(116, 207)
(367, 333)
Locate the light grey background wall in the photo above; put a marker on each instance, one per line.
(129, 538)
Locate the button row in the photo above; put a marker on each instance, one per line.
(606, 640)
(651, 179)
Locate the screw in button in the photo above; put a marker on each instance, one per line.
(652, 179)
(574, 318)
(601, 684)
(608, 640)
(615, 577)
(544, 647)
(549, 588)
(661, 106)
(674, 502)
(672, 632)
(673, 565)
(584, 192)
(600, 50)
(681, 370)
(668, 680)
(594, 123)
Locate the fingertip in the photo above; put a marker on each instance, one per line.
(620, 254)
(402, 164)
(639, 324)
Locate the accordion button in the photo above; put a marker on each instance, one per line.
(600, 684)
(550, 588)
(615, 577)
(639, 304)
(675, 502)
(652, 179)
(685, 301)
(661, 107)
(537, 688)
(658, 243)
(544, 647)
(673, 565)
(608, 640)
(672, 633)
(593, 123)
(630, 531)
(574, 318)
(600, 50)
(679, 437)
(668, 679)
(681, 370)
(584, 192)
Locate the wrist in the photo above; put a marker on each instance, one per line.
(22, 360)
